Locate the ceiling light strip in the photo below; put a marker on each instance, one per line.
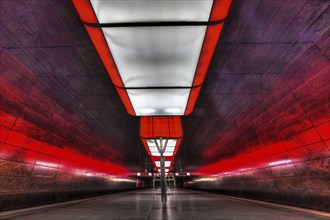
(136, 103)
(167, 163)
(115, 11)
(168, 168)
(156, 127)
(219, 11)
(171, 151)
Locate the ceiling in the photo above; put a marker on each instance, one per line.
(255, 65)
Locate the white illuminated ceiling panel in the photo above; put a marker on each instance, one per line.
(112, 11)
(156, 56)
(167, 163)
(170, 142)
(166, 170)
(169, 150)
(148, 102)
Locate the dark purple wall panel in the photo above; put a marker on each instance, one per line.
(271, 140)
(47, 153)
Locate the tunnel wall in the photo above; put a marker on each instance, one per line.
(280, 144)
(47, 152)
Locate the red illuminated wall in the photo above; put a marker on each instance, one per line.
(47, 153)
(279, 148)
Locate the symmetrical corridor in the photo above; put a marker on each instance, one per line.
(104, 101)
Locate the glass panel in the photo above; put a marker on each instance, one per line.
(149, 102)
(151, 10)
(156, 56)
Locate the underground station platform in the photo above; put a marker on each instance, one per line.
(164, 109)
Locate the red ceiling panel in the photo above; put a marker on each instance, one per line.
(169, 127)
(192, 100)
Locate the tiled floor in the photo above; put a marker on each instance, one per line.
(145, 204)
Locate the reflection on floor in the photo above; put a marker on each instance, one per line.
(182, 204)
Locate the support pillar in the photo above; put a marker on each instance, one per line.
(161, 149)
(162, 169)
(153, 181)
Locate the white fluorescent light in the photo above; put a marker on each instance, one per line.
(167, 163)
(147, 110)
(170, 142)
(166, 170)
(142, 10)
(172, 110)
(156, 56)
(159, 100)
(169, 150)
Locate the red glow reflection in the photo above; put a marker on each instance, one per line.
(21, 148)
(306, 145)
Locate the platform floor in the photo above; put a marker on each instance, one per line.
(182, 204)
